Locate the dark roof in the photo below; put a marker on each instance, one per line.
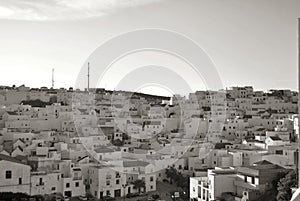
(263, 162)
(152, 122)
(221, 145)
(19, 139)
(82, 110)
(103, 150)
(19, 148)
(253, 140)
(259, 166)
(11, 113)
(275, 138)
(135, 163)
(261, 112)
(22, 158)
(82, 158)
(11, 159)
(260, 129)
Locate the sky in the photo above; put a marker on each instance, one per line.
(251, 42)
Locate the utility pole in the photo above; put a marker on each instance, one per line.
(88, 75)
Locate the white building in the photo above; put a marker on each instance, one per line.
(14, 175)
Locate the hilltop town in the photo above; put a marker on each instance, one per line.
(231, 144)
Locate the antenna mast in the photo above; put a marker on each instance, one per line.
(88, 75)
(298, 101)
(52, 78)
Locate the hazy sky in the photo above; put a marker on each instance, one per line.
(251, 42)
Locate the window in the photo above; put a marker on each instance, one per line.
(117, 181)
(8, 174)
(53, 188)
(77, 184)
(20, 180)
(67, 185)
(151, 179)
(151, 187)
(107, 183)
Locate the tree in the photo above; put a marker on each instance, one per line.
(171, 174)
(53, 99)
(118, 142)
(10, 196)
(138, 184)
(285, 184)
(183, 182)
(35, 103)
(125, 136)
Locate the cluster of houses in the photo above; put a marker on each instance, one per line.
(100, 142)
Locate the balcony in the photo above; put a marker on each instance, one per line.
(77, 178)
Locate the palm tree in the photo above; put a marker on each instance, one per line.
(138, 184)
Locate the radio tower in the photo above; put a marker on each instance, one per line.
(52, 78)
(298, 101)
(88, 75)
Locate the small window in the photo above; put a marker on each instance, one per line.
(20, 180)
(151, 179)
(117, 181)
(107, 183)
(77, 184)
(67, 185)
(53, 188)
(8, 174)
